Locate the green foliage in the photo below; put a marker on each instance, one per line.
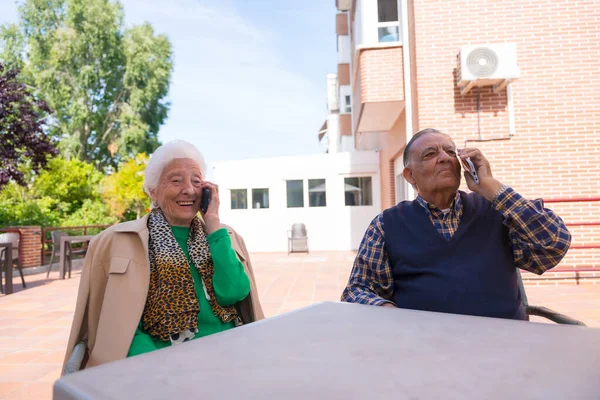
(105, 84)
(11, 46)
(92, 212)
(19, 207)
(74, 193)
(67, 183)
(123, 191)
(65, 194)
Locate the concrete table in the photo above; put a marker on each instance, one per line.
(63, 250)
(349, 351)
(7, 267)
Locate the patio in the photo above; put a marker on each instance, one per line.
(35, 323)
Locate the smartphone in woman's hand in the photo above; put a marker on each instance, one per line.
(204, 200)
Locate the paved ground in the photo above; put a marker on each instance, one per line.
(34, 323)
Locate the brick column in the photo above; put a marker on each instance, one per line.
(29, 244)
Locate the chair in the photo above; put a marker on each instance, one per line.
(56, 235)
(76, 358)
(12, 238)
(297, 239)
(543, 311)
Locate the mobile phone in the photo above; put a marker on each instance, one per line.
(204, 200)
(472, 169)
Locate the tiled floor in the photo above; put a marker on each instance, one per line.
(35, 323)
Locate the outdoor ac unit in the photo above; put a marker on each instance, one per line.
(486, 65)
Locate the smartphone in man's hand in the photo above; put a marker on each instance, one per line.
(470, 167)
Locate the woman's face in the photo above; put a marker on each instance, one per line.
(178, 191)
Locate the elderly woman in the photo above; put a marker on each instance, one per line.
(168, 277)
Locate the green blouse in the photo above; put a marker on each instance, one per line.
(229, 280)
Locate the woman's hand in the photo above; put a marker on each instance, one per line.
(211, 217)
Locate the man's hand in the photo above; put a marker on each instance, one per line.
(388, 305)
(488, 186)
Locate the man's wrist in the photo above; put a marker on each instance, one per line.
(490, 188)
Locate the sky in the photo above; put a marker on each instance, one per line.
(249, 75)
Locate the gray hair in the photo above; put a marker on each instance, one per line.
(166, 153)
(406, 154)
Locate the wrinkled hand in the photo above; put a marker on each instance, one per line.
(211, 217)
(488, 185)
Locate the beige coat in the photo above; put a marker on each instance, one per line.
(113, 289)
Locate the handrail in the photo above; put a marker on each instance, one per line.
(64, 228)
(578, 199)
(572, 199)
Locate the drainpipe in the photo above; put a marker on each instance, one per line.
(403, 17)
(510, 108)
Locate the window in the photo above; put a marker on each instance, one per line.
(295, 193)
(347, 104)
(358, 191)
(316, 193)
(387, 21)
(239, 199)
(260, 198)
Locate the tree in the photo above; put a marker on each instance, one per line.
(105, 84)
(123, 191)
(22, 137)
(67, 183)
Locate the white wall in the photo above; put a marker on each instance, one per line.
(365, 22)
(333, 133)
(344, 51)
(345, 90)
(332, 93)
(334, 227)
(347, 143)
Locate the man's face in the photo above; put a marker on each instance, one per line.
(432, 165)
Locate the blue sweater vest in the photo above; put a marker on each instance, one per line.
(473, 273)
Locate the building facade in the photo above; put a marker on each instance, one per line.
(334, 195)
(537, 124)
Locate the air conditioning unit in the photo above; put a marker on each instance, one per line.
(487, 65)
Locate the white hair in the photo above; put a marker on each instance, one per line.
(166, 153)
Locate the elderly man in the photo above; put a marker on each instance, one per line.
(451, 251)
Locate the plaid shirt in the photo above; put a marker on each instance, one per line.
(539, 239)
(445, 223)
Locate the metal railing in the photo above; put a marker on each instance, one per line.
(575, 270)
(70, 230)
(579, 223)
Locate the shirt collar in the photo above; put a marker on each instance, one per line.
(430, 208)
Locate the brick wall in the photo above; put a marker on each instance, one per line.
(343, 74)
(381, 72)
(556, 149)
(341, 24)
(345, 125)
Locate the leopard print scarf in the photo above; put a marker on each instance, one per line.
(172, 308)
